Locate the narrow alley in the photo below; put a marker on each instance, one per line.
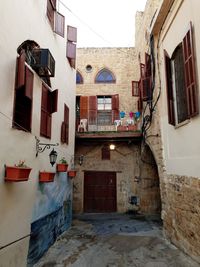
(114, 240)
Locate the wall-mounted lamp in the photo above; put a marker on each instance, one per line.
(40, 147)
(80, 160)
(53, 156)
(112, 147)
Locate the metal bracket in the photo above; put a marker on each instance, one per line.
(40, 147)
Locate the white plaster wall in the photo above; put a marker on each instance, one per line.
(22, 20)
(181, 145)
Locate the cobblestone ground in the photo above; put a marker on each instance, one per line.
(114, 240)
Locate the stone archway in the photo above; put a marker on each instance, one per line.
(149, 183)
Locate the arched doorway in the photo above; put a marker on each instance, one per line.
(149, 184)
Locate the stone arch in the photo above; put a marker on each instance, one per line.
(149, 183)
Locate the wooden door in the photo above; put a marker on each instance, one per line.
(99, 192)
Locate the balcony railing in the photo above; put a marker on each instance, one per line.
(103, 123)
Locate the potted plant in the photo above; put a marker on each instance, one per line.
(18, 173)
(62, 165)
(46, 177)
(72, 172)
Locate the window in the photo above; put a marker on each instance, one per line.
(71, 45)
(79, 78)
(56, 19)
(22, 114)
(135, 88)
(104, 107)
(180, 82)
(48, 106)
(101, 110)
(105, 153)
(65, 126)
(105, 76)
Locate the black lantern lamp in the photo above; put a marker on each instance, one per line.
(53, 156)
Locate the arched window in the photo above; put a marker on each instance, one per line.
(105, 76)
(79, 78)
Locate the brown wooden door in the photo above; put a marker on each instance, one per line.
(100, 192)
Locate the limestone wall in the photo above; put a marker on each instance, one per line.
(123, 64)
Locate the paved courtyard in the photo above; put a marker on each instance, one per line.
(114, 240)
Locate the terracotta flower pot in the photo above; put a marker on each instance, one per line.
(71, 173)
(61, 167)
(132, 127)
(46, 177)
(17, 174)
(122, 128)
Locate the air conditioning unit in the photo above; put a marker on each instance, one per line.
(43, 62)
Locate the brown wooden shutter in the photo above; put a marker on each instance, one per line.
(115, 107)
(63, 132)
(21, 69)
(146, 88)
(71, 50)
(140, 102)
(53, 3)
(84, 107)
(142, 70)
(105, 153)
(92, 110)
(190, 77)
(66, 120)
(48, 134)
(29, 83)
(59, 24)
(147, 65)
(53, 101)
(51, 7)
(135, 88)
(169, 89)
(71, 34)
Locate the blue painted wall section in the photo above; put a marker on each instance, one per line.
(52, 215)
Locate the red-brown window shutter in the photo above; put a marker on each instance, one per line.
(71, 34)
(169, 89)
(140, 102)
(135, 88)
(190, 77)
(105, 153)
(46, 106)
(53, 100)
(92, 110)
(142, 70)
(59, 24)
(21, 70)
(147, 65)
(66, 120)
(84, 107)
(71, 50)
(50, 12)
(146, 88)
(63, 132)
(115, 107)
(53, 3)
(29, 83)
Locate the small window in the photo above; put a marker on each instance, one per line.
(88, 68)
(105, 153)
(79, 78)
(22, 114)
(105, 76)
(48, 106)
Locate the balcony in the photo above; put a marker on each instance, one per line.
(102, 128)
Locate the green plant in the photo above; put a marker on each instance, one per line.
(21, 164)
(63, 160)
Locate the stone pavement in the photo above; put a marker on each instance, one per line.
(114, 240)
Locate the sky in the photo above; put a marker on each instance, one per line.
(105, 23)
